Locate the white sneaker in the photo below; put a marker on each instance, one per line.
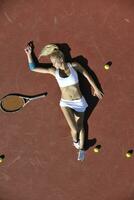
(81, 155)
(77, 145)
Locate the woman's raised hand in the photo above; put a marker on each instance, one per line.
(28, 50)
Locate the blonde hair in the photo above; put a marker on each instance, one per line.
(57, 54)
(49, 49)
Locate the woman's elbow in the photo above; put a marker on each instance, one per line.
(32, 66)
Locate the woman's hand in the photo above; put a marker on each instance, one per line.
(28, 50)
(98, 93)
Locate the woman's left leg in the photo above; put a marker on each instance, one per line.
(79, 117)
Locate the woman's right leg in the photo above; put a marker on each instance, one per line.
(79, 118)
(69, 116)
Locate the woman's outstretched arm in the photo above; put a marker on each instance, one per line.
(79, 68)
(33, 66)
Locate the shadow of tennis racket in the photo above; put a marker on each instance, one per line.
(15, 102)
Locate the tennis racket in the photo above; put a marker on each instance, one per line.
(15, 102)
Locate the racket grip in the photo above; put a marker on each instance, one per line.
(46, 93)
(39, 96)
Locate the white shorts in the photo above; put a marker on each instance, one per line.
(78, 105)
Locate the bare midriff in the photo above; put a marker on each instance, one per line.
(71, 92)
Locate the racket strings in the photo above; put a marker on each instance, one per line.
(12, 103)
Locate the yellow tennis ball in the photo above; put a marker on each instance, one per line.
(106, 66)
(128, 155)
(1, 160)
(96, 150)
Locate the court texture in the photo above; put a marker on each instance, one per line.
(38, 158)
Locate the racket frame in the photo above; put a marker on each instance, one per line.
(26, 99)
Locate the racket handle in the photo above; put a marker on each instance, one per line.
(39, 96)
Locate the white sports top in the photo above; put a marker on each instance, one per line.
(67, 81)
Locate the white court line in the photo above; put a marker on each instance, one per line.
(8, 18)
(11, 163)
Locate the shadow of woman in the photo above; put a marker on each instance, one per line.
(87, 91)
(85, 86)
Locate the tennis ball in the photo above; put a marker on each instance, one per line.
(96, 150)
(106, 67)
(128, 155)
(2, 158)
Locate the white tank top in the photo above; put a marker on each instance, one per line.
(67, 81)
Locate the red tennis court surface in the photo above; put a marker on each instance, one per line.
(40, 161)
